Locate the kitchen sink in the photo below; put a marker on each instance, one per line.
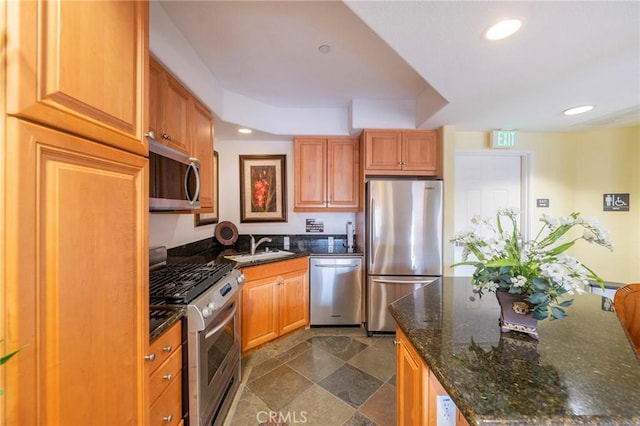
(264, 255)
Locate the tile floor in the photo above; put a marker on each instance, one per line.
(319, 376)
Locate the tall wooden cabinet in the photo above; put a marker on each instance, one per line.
(327, 174)
(74, 211)
(401, 152)
(275, 300)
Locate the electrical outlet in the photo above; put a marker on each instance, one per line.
(330, 241)
(446, 411)
(286, 243)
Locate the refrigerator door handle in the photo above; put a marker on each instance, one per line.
(404, 281)
(371, 233)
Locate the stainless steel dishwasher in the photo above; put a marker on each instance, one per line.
(336, 290)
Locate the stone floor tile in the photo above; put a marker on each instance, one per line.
(319, 407)
(279, 387)
(344, 347)
(350, 384)
(315, 364)
(381, 407)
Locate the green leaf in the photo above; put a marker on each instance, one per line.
(538, 298)
(540, 284)
(502, 262)
(8, 356)
(566, 303)
(540, 315)
(557, 313)
(559, 249)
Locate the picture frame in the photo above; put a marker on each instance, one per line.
(263, 188)
(201, 219)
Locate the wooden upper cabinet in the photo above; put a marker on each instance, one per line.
(201, 130)
(310, 173)
(179, 120)
(169, 108)
(80, 66)
(401, 152)
(326, 174)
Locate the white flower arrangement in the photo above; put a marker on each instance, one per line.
(539, 269)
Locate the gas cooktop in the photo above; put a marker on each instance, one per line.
(180, 284)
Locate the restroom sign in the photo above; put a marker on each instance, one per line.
(615, 202)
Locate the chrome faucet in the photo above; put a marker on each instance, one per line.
(255, 245)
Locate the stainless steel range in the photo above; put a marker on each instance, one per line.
(210, 293)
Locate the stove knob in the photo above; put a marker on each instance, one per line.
(208, 310)
(240, 279)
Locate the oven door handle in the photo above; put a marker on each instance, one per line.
(222, 323)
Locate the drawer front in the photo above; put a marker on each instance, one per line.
(275, 268)
(166, 374)
(167, 410)
(162, 348)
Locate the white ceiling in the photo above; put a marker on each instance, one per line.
(421, 62)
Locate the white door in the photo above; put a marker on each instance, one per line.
(485, 183)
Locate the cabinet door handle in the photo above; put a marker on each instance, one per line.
(150, 357)
(168, 377)
(151, 134)
(396, 342)
(168, 348)
(168, 418)
(166, 136)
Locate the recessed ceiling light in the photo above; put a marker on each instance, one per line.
(245, 131)
(503, 29)
(325, 48)
(577, 110)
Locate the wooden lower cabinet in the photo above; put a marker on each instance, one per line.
(165, 377)
(275, 300)
(417, 389)
(74, 280)
(412, 378)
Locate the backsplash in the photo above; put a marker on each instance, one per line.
(210, 247)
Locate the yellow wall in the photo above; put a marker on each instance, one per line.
(572, 170)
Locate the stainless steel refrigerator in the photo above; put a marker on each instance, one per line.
(403, 243)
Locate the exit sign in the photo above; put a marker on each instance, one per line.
(503, 138)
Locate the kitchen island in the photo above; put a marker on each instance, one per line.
(582, 370)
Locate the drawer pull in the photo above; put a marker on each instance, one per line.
(150, 357)
(168, 418)
(168, 348)
(168, 377)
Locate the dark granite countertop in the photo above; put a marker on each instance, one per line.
(582, 370)
(161, 318)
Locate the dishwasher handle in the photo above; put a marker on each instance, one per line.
(403, 281)
(335, 265)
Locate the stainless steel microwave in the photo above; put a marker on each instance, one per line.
(174, 182)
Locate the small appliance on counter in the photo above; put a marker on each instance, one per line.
(350, 234)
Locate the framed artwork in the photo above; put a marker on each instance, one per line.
(263, 190)
(202, 219)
